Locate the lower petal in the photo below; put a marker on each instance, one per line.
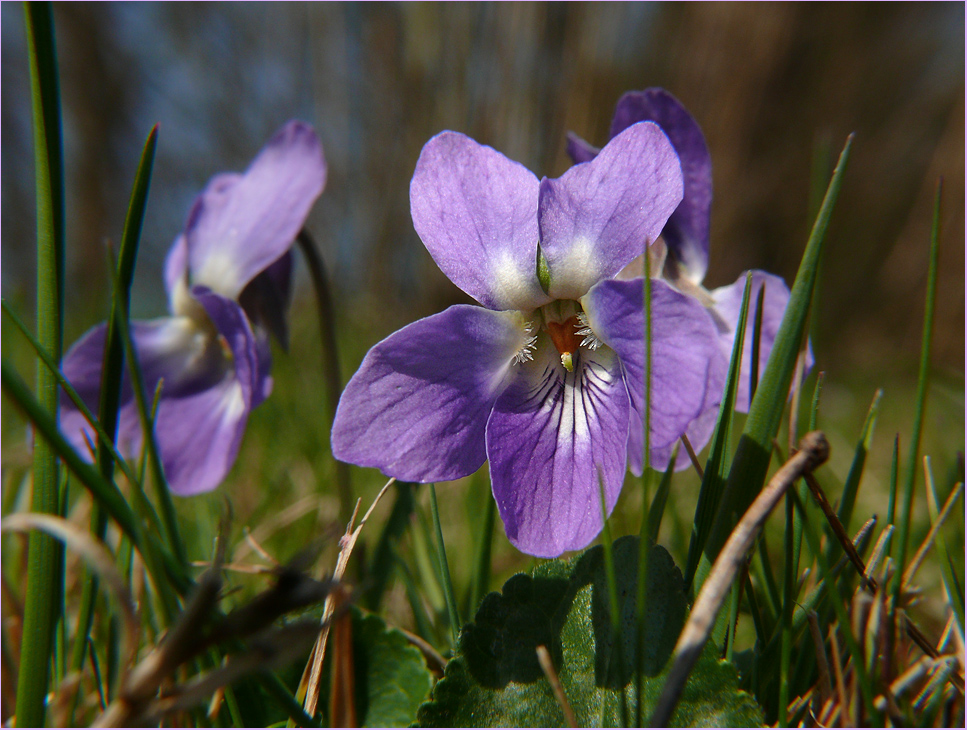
(418, 405)
(728, 303)
(552, 436)
(688, 369)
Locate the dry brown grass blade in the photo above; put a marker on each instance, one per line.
(931, 535)
(547, 666)
(342, 694)
(312, 676)
(842, 695)
(692, 456)
(825, 686)
(813, 451)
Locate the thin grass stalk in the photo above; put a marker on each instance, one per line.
(894, 474)
(481, 574)
(45, 561)
(657, 509)
(912, 464)
(614, 609)
(641, 579)
(445, 570)
(955, 592)
(756, 342)
(330, 359)
(788, 599)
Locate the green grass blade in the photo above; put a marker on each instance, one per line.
(382, 563)
(754, 450)
(713, 481)
(45, 561)
(445, 570)
(909, 476)
(848, 500)
(894, 475)
(955, 593)
(657, 509)
(481, 574)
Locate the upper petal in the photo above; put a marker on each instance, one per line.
(687, 230)
(552, 436)
(688, 369)
(418, 405)
(476, 213)
(601, 214)
(241, 224)
(728, 304)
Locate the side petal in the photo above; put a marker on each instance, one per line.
(476, 213)
(418, 405)
(728, 303)
(686, 232)
(599, 216)
(552, 436)
(688, 369)
(579, 150)
(236, 230)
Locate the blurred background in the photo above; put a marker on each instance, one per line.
(775, 87)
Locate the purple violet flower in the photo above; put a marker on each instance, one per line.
(545, 380)
(686, 238)
(227, 277)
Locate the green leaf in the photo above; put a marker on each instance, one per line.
(495, 678)
(43, 604)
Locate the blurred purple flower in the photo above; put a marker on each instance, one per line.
(546, 379)
(686, 236)
(227, 277)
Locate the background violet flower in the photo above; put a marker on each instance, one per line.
(686, 236)
(227, 277)
(546, 379)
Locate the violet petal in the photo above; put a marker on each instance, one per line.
(599, 216)
(687, 230)
(418, 405)
(728, 303)
(688, 368)
(476, 213)
(199, 433)
(552, 436)
(236, 230)
(579, 150)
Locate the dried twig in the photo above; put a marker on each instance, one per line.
(814, 450)
(312, 675)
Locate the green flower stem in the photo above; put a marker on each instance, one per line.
(45, 557)
(445, 569)
(330, 360)
(912, 465)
